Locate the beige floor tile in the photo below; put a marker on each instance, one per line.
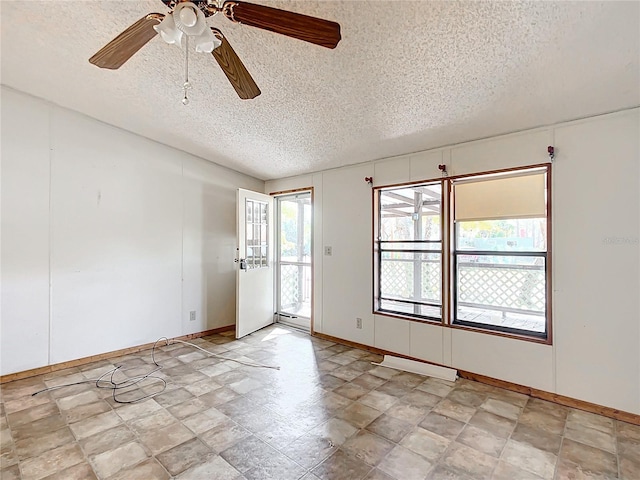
(374, 474)
(406, 412)
(11, 473)
(537, 438)
(138, 410)
(202, 387)
(335, 430)
(542, 420)
(628, 431)
(8, 458)
(184, 456)
(150, 469)
(444, 426)
(346, 372)
(482, 440)
(506, 471)
(529, 458)
(425, 443)
(441, 472)
(629, 468)
(359, 415)
(22, 403)
(85, 411)
(589, 458)
(368, 381)
(332, 402)
(92, 425)
(51, 462)
(351, 391)
(454, 410)
(158, 419)
(6, 439)
(163, 439)
(591, 420)
(276, 467)
(214, 468)
(501, 408)
(33, 446)
(403, 464)
(629, 448)
(310, 450)
(32, 414)
(496, 424)
(107, 440)
(468, 461)
(383, 372)
(341, 466)
(38, 428)
(224, 435)
(121, 458)
(82, 471)
(591, 436)
(421, 399)
(390, 428)
(367, 447)
(433, 386)
(548, 408)
(378, 400)
(73, 401)
(467, 397)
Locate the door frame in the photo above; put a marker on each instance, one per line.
(276, 233)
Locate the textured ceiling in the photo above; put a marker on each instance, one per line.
(407, 76)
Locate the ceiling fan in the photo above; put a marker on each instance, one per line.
(187, 21)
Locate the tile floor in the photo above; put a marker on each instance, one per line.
(326, 414)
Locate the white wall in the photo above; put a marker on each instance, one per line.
(109, 239)
(595, 354)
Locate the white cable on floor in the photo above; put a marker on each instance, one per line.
(249, 364)
(115, 386)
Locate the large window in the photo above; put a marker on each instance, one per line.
(493, 261)
(500, 252)
(409, 248)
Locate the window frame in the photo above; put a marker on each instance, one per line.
(378, 251)
(448, 258)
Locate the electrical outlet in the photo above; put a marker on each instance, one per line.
(328, 251)
(358, 323)
(192, 316)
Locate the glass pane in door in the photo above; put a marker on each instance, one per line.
(294, 256)
(257, 241)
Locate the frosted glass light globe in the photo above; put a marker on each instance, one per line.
(188, 17)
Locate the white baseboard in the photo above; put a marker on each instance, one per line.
(420, 368)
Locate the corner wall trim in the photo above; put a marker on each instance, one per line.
(514, 387)
(10, 377)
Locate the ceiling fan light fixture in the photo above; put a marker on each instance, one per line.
(207, 42)
(168, 31)
(187, 19)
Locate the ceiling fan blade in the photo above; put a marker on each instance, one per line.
(310, 29)
(234, 69)
(115, 53)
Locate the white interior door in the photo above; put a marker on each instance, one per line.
(255, 262)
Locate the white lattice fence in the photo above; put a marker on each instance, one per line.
(507, 286)
(397, 279)
(431, 281)
(289, 293)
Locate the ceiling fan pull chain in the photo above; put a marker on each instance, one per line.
(186, 86)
